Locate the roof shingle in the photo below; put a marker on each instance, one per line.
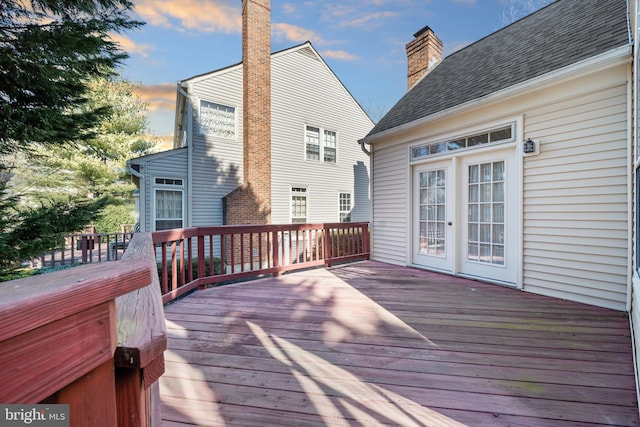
(561, 34)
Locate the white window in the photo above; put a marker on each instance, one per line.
(329, 146)
(344, 207)
(315, 150)
(299, 205)
(217, 120)
(312, 143)
(498, 135)
(169, 203)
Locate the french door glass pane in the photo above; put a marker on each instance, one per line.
(432, 213)
(486, 229)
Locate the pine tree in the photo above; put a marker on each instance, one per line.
(50, 50)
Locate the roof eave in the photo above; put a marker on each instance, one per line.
(603, 61)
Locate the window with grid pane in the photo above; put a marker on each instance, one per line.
(217, 120)
(312, 142)
(329, 146)
(486, 213)
(298, 205)
(345, 207)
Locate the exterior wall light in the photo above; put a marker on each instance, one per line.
(530, 147)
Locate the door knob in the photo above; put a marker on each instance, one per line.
(450, 223)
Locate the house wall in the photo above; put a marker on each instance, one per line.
(216, 162)
(306, 92)
(575, 228)
(169, 164)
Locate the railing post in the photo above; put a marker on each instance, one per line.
(275, 250)
(365, 240)
(84, 246)
(201, 257)
(326, 241)
(142, 340)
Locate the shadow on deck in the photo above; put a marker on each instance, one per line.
(380, 345)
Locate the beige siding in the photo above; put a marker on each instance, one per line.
(306, 92)
(575, 199)
(390, 216)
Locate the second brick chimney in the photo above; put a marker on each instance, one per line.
(423, 52)
(251, 202)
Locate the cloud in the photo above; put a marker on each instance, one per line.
(295, 34)
(339, 54)
(467, 1)
(199, 15)
(159, 96)
(371, 20)
(130, 46)
(289, 8)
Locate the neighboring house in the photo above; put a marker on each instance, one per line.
(319, 173)
(510, 160)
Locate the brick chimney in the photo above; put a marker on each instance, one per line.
(423, 52)
(251, 202)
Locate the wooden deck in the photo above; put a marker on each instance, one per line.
(370, 344)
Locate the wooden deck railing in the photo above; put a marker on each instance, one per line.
(195, 257)
(91, 337)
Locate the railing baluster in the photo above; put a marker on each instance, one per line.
(165, 270)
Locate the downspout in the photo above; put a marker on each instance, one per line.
(368, 153)
(363, 148)
(633, 155)
(142, 196)
(635, 121)
(189, 143)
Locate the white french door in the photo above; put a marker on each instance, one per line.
(433, 215)
(465, 216)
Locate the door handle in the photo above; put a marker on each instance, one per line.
(450, 223)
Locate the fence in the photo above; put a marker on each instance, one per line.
(86, 248)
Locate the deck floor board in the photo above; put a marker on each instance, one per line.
(370, 344)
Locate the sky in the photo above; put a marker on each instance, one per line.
(362, 41)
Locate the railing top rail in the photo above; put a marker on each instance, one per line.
(183, 233)
(29, 303)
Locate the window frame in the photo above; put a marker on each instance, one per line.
(205, 130)
(473, 139)
(167, 184)
(342, 212)
(298, 192)
(324, 144)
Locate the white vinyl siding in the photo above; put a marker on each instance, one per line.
(389, 240)
(216, 161)
(575, 205)
(306, 93)
(156, 165)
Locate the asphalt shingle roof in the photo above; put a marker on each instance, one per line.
(561, 34)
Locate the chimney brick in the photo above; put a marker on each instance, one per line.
(251, 202)
(423, 52)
